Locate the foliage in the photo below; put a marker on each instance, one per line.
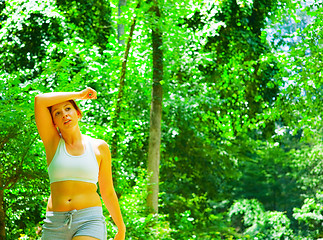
(310, 216)
(241, 111)
(140, 224)
(251, 219)
(89, 20)
(268, 178)
(307, 163)
(23, 170)
(301, 96)
(26, 206)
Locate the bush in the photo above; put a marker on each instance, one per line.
(139, 224)
(249, 218)
(310, 216)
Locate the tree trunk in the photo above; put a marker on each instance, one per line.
(155, 117)
(121, 26)
(2, 212)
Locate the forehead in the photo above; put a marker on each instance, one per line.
(60, 105)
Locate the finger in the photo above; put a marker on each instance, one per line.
(92, 95)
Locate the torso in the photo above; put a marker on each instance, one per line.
(70, 195)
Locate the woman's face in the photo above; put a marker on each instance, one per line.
(64, 115)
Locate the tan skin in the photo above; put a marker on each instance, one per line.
(69, 195)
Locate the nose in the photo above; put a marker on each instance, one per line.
(64, 113)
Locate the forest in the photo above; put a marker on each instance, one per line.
(212, 110)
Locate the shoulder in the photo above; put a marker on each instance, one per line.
(99, 144)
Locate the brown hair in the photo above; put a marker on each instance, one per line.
(74, 105)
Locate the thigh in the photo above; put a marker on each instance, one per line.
(55, 228)
(84, 238)
(91, 229)
(50, 234)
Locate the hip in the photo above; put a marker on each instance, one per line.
(69, 224)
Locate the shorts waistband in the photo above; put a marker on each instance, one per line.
(85, 211)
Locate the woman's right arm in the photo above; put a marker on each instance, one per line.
(47, 131)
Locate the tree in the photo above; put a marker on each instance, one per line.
(88, 20)
(222, 93)
(21, 45)
(44, 53)
(19, 164)
(155, 112)
(238, 114)
(300, 103)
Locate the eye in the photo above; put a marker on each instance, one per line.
(57, 113)
(67, 109)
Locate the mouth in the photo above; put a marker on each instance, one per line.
(67, 121)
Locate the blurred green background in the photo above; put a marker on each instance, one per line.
(241, 144)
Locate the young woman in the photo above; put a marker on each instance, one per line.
(75, 163)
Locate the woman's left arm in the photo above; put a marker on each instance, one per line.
(108, 193)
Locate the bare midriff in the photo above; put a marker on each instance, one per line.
(69, 195)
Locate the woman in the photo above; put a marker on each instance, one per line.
(75, 163)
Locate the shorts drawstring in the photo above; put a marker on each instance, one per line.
(67, 224)
(69, 218)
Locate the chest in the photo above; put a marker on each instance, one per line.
(79, 150)
(75, 150)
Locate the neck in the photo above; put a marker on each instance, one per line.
(72, 137)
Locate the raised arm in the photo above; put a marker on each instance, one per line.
(108, 193)
(47, 131)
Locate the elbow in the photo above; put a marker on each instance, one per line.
(37, 98)
(108, 194)
(40, 100)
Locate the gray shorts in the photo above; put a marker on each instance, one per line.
(66, 225)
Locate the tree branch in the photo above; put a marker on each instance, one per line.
(122, 79)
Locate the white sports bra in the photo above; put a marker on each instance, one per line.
(65, 166)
